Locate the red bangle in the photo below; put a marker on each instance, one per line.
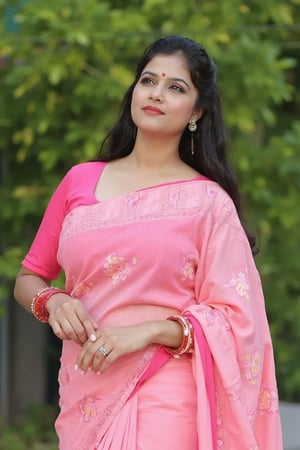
(38, 304)
(187, 342)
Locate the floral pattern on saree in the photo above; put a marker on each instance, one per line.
(88, 408)
(189, 266)
(118, 267)
(241, 284)
(82, 290)
(252, 366)
(268, 401)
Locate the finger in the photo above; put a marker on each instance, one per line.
(72, 324)
(86, 356)
(90, 329)
(88, 324)
(58, 331)
(67, 319)
(100, 356)
(108, 360)
(73, 329)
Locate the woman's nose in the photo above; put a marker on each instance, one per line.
(156, 93)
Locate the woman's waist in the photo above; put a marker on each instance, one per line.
(133, 314)
(126, 303)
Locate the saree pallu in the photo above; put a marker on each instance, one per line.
(175, 248)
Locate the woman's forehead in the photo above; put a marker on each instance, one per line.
(169, 66)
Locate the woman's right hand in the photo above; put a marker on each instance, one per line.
(69, 319)
(67, 315)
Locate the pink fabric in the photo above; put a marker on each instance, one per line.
(158, 360)
(230, 310)
(167, 409)
(173, 248)
(123, 435)
(207, 363)
(154, 418)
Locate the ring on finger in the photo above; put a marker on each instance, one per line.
(102, 350)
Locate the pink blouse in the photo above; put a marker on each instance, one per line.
(76, 189)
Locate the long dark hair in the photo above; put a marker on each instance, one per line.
(210, 149)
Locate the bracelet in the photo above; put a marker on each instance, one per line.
(38, 304)
(186, 345)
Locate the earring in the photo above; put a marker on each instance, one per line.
(192, 128)
(192, 125)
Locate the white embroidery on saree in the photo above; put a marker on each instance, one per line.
(189, 267)
(252, 366)
(240, 283)
(172, 202)
(88, 407)
(118, 267)
(267, 401)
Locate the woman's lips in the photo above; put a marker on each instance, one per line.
(153, 110)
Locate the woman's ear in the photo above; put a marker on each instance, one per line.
(197, 114)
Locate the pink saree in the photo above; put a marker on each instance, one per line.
(174, 248)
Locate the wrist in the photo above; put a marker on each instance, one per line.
(55, 300)
(165, 332)
(40, 300)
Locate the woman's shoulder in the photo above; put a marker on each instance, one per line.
(85, 172)
(87, 168)
(217, 201)
(212, 189)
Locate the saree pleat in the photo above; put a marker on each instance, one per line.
(160, 415)
(121, 435)
(167, 407)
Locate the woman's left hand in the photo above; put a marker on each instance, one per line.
(111, 343)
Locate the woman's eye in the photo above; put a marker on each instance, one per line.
(177, 88)
(146, 80)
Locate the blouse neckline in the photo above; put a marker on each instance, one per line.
(146, 188)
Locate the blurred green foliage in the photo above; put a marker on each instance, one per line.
(62, 77)
(34, 433)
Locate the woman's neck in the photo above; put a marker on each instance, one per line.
(151, 152)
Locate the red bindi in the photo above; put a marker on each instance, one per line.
(163, 74)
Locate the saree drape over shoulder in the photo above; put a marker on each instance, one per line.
(177, 247)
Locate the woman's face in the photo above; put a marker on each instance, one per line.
(164, 98)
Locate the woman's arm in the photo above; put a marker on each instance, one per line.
(119, 341)
(27, 285)
(68, 318)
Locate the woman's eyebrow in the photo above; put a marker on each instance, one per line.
(181, 80)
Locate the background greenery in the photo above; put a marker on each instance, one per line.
(34, 432)
(65, 65)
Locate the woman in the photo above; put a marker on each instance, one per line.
(165, 338)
